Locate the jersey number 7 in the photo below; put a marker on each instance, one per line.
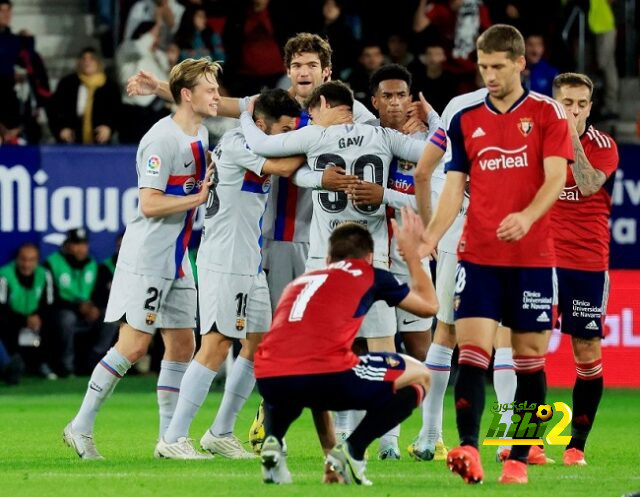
(312, 283)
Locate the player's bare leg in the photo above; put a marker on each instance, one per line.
(131, 346)
(416, 343)
(587, 392)
(428, 444)
(504, 379)
(475, 340)
(529, 349)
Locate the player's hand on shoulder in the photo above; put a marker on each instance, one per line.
(207, 183)
(417, 113)
(251, 105)
(142, 84)
(513, 227)
(335, 179)
(326, 116)
(365, 193)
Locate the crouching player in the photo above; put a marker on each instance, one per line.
(306, 359)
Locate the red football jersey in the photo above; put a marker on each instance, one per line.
(503, 155)
(318, 317)
(580, 225)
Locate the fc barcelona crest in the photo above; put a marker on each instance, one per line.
(525, 126)
(240, 324)
(150, 318)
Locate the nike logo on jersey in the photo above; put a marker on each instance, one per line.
(478, 133)
(593, 326)
(409, 321)
(187, 164)
(543, 317)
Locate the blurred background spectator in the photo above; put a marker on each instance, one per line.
(86, 104)
(602, 24)
(430, 76)
(340, 36)
(141, 53)
(539, 73)
(74, 274)
(24, 83)
(370, 60)
(398, 50)
(26, 296)
(166, 13)
(195, 38)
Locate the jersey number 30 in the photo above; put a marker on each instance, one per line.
(311, 284)
(337, 201)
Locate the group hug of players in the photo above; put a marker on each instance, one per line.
(509, 190)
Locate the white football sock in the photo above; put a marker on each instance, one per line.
(504, 383)
(439, 364)
(169, 379)
(193, 392)
(104, 378)
(390, 438)
(341, 421)
(237, 388)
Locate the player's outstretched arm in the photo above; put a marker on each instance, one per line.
(155, 203)
(284, 166)
(146, 83)
(431, 156)
(421, 300)
(281, 145)
(517, 224)
(446, 211)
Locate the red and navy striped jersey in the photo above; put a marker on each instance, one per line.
(503, 154)
(580, 225)
(318, 317)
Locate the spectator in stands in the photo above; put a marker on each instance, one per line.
(26, 296)
(336, 30)
(74, 274)
(458, 23)
(398, 50)
(195, 39)
(20, 63)
(370, 60)
(602, 24)
(86, 104)
(166, 13)
(538, 75)
(253, 56)
(431, 77)
(141, 53)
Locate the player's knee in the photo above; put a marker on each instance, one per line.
(586, 350)
(135, 351)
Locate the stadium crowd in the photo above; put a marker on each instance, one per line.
(434, 39)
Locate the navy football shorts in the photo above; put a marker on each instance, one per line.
(366, 386)
(521, 298)
(582, 302)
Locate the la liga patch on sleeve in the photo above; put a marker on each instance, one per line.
(153, 165)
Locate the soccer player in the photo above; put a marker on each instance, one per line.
(306, 359)
(362, 150)
(153, 286)
(288, 215)
(391, 97)
(580, 229)
(514, 146)
(233, 294)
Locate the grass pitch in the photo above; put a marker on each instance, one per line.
(34, 461)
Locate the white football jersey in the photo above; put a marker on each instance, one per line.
(288, 214)
(362, 150)
(449, 241)
(232, 237)
(175, 163)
